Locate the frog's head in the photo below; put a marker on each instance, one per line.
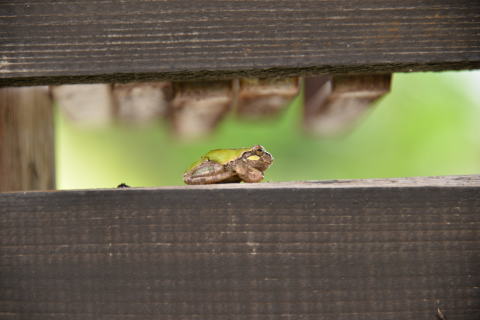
(257, 157)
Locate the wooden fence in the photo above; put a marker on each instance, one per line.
(369, 249)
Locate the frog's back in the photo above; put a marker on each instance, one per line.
(223, 156)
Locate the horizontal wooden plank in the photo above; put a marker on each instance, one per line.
(374, 249)
(45, 42)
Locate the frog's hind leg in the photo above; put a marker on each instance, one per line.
(233, 179)
(207, 173)
(222, 177)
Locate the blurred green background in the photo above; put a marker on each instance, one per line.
(428, 125)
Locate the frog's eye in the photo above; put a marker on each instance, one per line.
(253, 158)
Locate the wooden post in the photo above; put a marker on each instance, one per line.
(26, 139)
(334, 104)
(86, 105)
(198, 106)
(259, 98)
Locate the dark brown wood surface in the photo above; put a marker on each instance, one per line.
(350, 250)
(27, 159)
(47, 42)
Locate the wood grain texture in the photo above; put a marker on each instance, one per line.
(47, 42)
(345, 250)
(27, 159)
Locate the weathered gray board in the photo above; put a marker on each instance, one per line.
(45, 42)
(350, 250)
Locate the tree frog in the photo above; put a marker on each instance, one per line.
(229, 165)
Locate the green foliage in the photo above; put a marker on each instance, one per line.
(427, 125)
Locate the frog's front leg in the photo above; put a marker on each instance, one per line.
(247, 173)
